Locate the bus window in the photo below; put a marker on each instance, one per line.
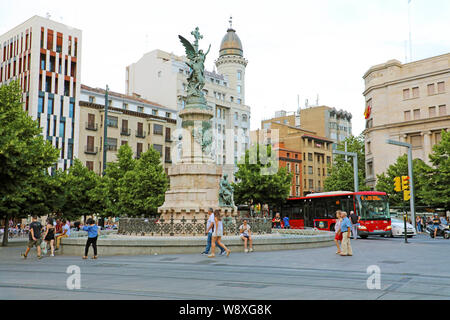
(296, 212)
(321, 211)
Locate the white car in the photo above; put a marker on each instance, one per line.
(398, 228)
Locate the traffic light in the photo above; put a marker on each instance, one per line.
(405, 183)
(397, 184)
(406, 195)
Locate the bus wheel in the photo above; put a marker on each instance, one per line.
(363, 237)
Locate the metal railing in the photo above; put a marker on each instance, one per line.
(188, 227)
(91, 126)
(91, 150)
(125, 132)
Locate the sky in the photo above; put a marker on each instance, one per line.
(297, 50)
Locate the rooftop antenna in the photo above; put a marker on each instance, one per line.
(231, 22)
(306, 103)
(317, 100)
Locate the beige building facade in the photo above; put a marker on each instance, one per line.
(323, 120)
(405, 102)
(131, 120)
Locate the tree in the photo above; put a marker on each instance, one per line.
(80, 189)
(141, 190)
(257, 186)
(24, 154)
(385, 181)
(436, 191)
(110, 182)
(341, 173)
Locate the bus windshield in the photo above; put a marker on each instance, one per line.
(373, 207)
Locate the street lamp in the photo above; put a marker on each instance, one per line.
(355, 165)
(410, 174)
(105, 131)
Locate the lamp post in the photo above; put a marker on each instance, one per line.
(105, 131)
(355, 165)
(410, 174)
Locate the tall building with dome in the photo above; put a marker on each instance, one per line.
(161, 77)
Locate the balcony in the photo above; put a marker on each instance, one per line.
(141, 134)
(91, 126)
(91, 150)
(125, 132)
(167, 160)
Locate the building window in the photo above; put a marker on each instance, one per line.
(125, 106)
(370, 169)
(442, 110)
(416, 114)
(416, 141)
(112, 122)
(405, 94)
(368, 148)
(310, 157)
(90, 165)
(111, 144)
(140, 109)
(239, 89)
(430, 89)
(441, 87)
(168, 115)
(91, 99)
(158, 129)
(244, 118)
(310, 170)
(407, 115)
(239, 75)
(311, 183)
(415, 92)
(239, 101)
(236, 116)
(432, 112)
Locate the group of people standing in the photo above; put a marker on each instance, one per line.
(52, 234)
(344, 228)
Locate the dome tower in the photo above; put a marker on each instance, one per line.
(232, 63)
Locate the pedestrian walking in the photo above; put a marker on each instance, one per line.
(217, 235)
(34, 237)
(92, 230)
(355, 223)
(346, 225)
(337, 230)
(49, 236)
(209, 232)
(246, 235)
(436, 223)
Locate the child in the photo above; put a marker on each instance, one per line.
(92, 230)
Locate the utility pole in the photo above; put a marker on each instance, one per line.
(105, 130)
(355, 165)
(410, 174)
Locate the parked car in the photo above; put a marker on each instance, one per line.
(398, 228)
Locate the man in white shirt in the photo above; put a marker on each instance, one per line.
(65, 234)
(209, 231)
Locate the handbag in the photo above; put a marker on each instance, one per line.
(44, 247)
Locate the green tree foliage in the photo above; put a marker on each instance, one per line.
(81, 187)
(385, 181)
(256, 184)
(341, 173)
(141, 190)
(24, 154)
(436, 179)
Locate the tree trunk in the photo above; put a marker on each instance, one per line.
(6, 231)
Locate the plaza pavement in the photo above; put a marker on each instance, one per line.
(416, 270)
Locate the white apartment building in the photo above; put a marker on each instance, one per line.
(45, 57)
(162, 77)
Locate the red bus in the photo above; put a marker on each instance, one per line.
(318, 210)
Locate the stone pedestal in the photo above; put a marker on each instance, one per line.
(194, 182)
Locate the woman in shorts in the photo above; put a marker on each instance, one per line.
(49, 236)
(338, 233)
(217, 235)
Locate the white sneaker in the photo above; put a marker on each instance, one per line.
(251, 249)
(246, 250)
(52, 255)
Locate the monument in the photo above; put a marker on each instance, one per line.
(195, 181)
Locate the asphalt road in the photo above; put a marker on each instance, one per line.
(416, 270)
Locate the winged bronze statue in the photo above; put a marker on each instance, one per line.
(196, 63)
